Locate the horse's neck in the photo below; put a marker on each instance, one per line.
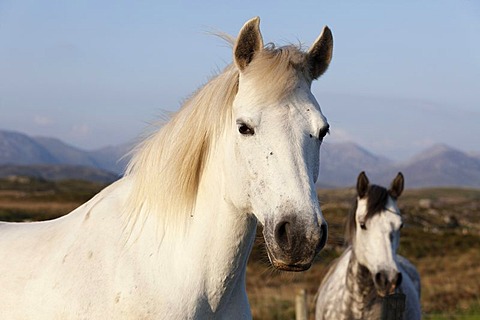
(361, 295)
(222, 240)
(208, 261)
(227, 236)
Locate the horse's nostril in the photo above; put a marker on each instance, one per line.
(398, 279)
(381, 279)
(323, 236)
(283, 234)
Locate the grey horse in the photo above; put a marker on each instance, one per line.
(370, 269)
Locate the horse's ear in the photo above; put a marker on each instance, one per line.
(397, 186)
(249, 42)
(320, 54)
(362, 184)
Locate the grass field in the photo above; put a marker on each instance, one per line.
(441, 237)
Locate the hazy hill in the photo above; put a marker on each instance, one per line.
(442, 165)
(66, 154)
(21, 149)
(341, 163)
(112, 158)
(439, 165)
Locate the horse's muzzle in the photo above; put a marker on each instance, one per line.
(387, 282)
(292, 245)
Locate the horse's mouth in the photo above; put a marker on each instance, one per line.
(283, 264)
(291, 267)
(381, 293)
(384, 292)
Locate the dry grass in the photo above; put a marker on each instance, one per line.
(33, 206)
(32, 199)
(451, 283)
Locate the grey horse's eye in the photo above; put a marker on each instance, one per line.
(363, 226)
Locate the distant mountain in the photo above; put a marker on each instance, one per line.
(340, 163)
(19, 148)
(58, 172)
(439, 165)
(52, 159)
(475, 155)
(442, 165)
(63, 153)
(112, 158)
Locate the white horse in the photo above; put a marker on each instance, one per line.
(171, 239)
(370, 268)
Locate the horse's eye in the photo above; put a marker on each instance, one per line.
(363, 226)
(245, 130)
(323, 132)
(401, 226)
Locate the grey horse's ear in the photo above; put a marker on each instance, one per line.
(397, 185)
(248, 43)
(320, 54)
(362, 184)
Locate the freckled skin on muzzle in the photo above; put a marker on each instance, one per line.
(292, 244)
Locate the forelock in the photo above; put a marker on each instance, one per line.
(276, 71)
(377, 198)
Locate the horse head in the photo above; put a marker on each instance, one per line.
(277, 129)
(374, 231)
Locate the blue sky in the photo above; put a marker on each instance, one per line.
(405, 75)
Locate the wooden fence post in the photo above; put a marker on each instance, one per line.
(301, 309)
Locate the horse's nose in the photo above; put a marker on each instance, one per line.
(385, 284)
(296, 242)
